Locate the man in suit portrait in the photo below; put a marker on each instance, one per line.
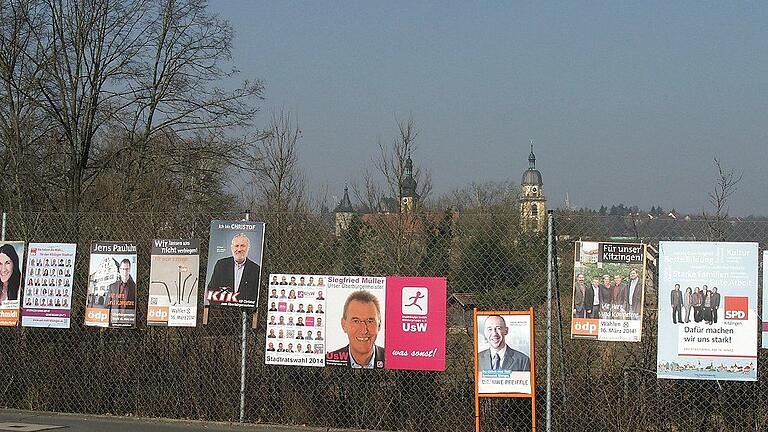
(237, 273)
(676, 301)
(619, 293)
(634, 293)
(500, 356)
(122, 293)
(582, 297)
(715, 304)
(361, 321)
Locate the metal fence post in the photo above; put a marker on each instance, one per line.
(243, 350)
(5, 218)
(550, 217)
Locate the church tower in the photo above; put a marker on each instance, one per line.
(343, 213)
(408, 197)
(533, 204)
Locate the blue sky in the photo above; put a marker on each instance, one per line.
(627, 102)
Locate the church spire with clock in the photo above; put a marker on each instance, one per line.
(533, 204)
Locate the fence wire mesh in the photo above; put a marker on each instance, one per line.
(195, 372)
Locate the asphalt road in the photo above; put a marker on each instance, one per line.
(93, 423)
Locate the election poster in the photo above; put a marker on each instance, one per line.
(355, 321)
(608, 291)
(765, 300)
(11, 259)
(234, 263)
(416, 320)
(707, 316)
(503, 347)
(173, 281)
(111, 294)
(296, 320)
(49, 275)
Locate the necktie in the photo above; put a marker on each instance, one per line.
(496, 361)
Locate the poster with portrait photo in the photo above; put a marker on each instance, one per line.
(11, 263)
(608, 291)
(49, 276)
(296, 320)
(707, 318)
(357, 339)
(111, 295)
(504, 347)
(764, 327)
(234, 263)
(173, 281)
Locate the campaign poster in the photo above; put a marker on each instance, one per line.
(234, 263)
(355, 322)
(49, 279)
(296, 320)
(111, 295)
(707, 317)
(503, 344)
(416, 320)
(765, 300)
(608, 291)
(173, 280)
(11, 259)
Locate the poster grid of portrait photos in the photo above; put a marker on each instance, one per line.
(111, 294)
(173, 282)
(49, 279)
(11, 259)
(608, 291)
(296, 320)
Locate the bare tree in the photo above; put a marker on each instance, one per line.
(278, 183)
(384, 180)
(726, 186)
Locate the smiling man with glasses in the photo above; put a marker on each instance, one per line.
(361, 321)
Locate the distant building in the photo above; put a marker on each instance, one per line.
(533, 204)
(344, 213)
(408, 198)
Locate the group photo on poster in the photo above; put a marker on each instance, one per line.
(355, 322)
(504, 348)
(111, 294)
(234, 263)
(416, 321)
(608, 291)
(296, 320)
(11, 259)
(173, 282)
(707, 317)
(49, 276)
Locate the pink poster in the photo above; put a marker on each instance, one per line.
(415, 317)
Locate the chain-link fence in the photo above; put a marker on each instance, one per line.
(195, 372)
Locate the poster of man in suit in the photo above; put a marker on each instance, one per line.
(608, 291)
(504, 350)
(234, 263)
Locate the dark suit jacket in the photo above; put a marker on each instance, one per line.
(378, 356)
(114, 290)
(676, 298)
(513, 360)
(637, 296)
(715, 301)
(224, 277)
(606, 295)
(579, 300)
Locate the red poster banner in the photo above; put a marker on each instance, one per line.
(416, 322)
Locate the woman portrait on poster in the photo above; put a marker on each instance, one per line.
(10, 274)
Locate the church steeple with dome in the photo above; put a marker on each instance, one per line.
(533, 204)
(409, 196)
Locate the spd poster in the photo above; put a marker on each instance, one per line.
(707, 317)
